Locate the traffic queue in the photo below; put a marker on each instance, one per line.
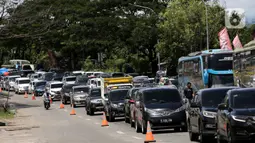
(209, 101)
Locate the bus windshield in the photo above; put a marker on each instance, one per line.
(221, 80)
(220, 61)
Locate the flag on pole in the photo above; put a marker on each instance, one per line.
(225, 42)
(237, 43)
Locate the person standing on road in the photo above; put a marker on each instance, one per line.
(188, 92)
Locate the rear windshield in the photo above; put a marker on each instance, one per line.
(56, 85)
(81, 90)
(95, 93)
(118, 95)
(24, 81)
(213, 98)
(244, 99)
(40, 83)
(71, 79)
(161, 96)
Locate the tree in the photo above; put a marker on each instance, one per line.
(184, 29)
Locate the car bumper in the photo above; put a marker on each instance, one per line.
(168, 122)
(209, 127)
(243, 131)
(22, 90)
(118, 112)
(80, 101)
(56, 97)
(67, 98)
(39, 93)
(97, 107)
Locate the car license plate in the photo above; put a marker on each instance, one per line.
(165, 120)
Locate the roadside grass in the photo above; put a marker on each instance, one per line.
(6, 115)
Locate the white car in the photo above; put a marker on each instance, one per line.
(76, 73)
(94, 82)
(11, 82)
(34, 77)
(21, 85)
(54, 88)
(69, 80)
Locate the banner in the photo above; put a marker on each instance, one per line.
(224, 39)
(237, 43)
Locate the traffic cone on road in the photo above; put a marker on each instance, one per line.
(73, 112)
(62, 106)
(149, 136)
(33, 96)
(0, 89)
(25, 95)
(104, 122)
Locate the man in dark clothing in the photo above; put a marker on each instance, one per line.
(188, 91)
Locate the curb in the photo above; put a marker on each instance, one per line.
(8, 128)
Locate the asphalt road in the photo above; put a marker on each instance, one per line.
(58, 126)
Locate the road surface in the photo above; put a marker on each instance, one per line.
(58, 126)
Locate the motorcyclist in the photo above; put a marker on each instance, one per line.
(46, 96)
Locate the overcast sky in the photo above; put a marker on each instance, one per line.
(247, 5)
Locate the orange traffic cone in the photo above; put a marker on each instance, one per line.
(25, 95)
(51, 100)
(149, 136)
(73, 112)
(0, 89)
(62, 106)
(104, 122)
(33, 97)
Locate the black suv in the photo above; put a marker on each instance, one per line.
(65, 93)
(94, 101)
(235, 117)
(129, 103)
(115, 104)
(202, 112)
(163, 107)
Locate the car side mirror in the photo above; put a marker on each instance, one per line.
(222, 106)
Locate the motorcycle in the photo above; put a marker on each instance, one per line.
(47, 103)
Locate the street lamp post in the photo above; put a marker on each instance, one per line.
(207, 25)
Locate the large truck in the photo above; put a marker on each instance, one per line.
(109, 84)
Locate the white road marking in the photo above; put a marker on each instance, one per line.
(120, 132)
(96, 123)
(65, 110)
(136, 138)
(23, 135)
(80, 116)
(88, 119)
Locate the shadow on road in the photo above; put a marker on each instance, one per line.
(21, 105)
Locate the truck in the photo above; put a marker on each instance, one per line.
(113, 84)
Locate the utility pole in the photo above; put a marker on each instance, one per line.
(207, 25)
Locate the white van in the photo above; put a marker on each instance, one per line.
(54, 88)
(21, 85)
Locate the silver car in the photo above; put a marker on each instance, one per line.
(78, 95)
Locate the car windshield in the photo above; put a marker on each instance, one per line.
(40, 83)
(161, 96)
(118, 95)
(221, 80)
(56, 85)
(71, 79)
(81, 90)
(95, 92)
(24, 81)
(212, 98)
(244, 99)
(221, 61)
(12, 78)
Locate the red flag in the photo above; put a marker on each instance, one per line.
(224, 39)
(237, 43)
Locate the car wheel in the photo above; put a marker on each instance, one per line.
(111, 117)
(91, 111)
(192, 136)
(144, 127)
(74, 106)
(137, 127)
(184, 129)
(203, 139)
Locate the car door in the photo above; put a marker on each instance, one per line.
(222, 118)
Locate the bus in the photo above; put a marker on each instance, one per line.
(244, 66)
(206, 69)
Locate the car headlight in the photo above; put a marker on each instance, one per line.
(96, 101)
(151, 112)
(239, 118)
(114, 105)
(209, 114)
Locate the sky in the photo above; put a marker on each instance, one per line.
(247, 5)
